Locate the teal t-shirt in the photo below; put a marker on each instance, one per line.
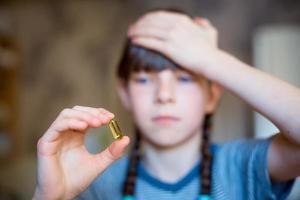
(239, 172)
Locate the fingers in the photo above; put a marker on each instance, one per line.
(151, 43)
(156, 29)
(77, 119)
(97, 112)
(111, 153)
(144, 30)
(157, 24)
(160, 25)
(87, 117)
(60, 126)
(161, 19)
(206, 24)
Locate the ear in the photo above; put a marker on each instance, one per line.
(123, 93)
(214, 93)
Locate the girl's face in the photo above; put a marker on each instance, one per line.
(168, 106)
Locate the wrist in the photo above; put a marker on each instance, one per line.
(210, 65)
(219, 62)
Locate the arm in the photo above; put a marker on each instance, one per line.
(191, 44)
(273, 98)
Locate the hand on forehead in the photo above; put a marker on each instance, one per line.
(166, 20)
(171, 32)
(163, 18)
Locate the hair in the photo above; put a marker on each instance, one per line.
(137, 58)
(134, 59)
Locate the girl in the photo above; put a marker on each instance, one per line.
(170, 79)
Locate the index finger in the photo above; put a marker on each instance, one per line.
(98, 112)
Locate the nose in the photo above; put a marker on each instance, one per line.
(165, 90)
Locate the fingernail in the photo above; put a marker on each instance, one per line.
(111, 115)
(108, 114)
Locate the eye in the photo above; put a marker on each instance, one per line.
(141, 78)
(185, 78)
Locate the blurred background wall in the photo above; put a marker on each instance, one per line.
(57, 54)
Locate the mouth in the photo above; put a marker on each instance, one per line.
(165, 119)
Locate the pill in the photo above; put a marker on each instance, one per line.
(115, 129)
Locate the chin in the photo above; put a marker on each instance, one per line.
(168, 136)
(165, 142)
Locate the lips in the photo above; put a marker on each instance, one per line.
(165, 119)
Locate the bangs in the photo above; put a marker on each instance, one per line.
(136, 58)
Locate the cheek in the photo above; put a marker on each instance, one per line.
(141, 98)
(192, 104)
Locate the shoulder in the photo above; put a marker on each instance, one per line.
(241, 157)
(242, 149)
(243, 164)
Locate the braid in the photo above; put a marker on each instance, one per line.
(129, 185)
(206, 165)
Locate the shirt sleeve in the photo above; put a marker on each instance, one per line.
(258, 172)
(248, 169)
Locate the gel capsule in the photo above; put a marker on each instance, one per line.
(115, 130)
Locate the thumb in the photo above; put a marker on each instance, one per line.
(112, 153)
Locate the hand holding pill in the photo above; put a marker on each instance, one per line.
(65, 167)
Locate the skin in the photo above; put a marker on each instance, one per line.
(61, 174)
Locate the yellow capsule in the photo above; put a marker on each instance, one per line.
(115, 130)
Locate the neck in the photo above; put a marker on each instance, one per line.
(171, 164)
